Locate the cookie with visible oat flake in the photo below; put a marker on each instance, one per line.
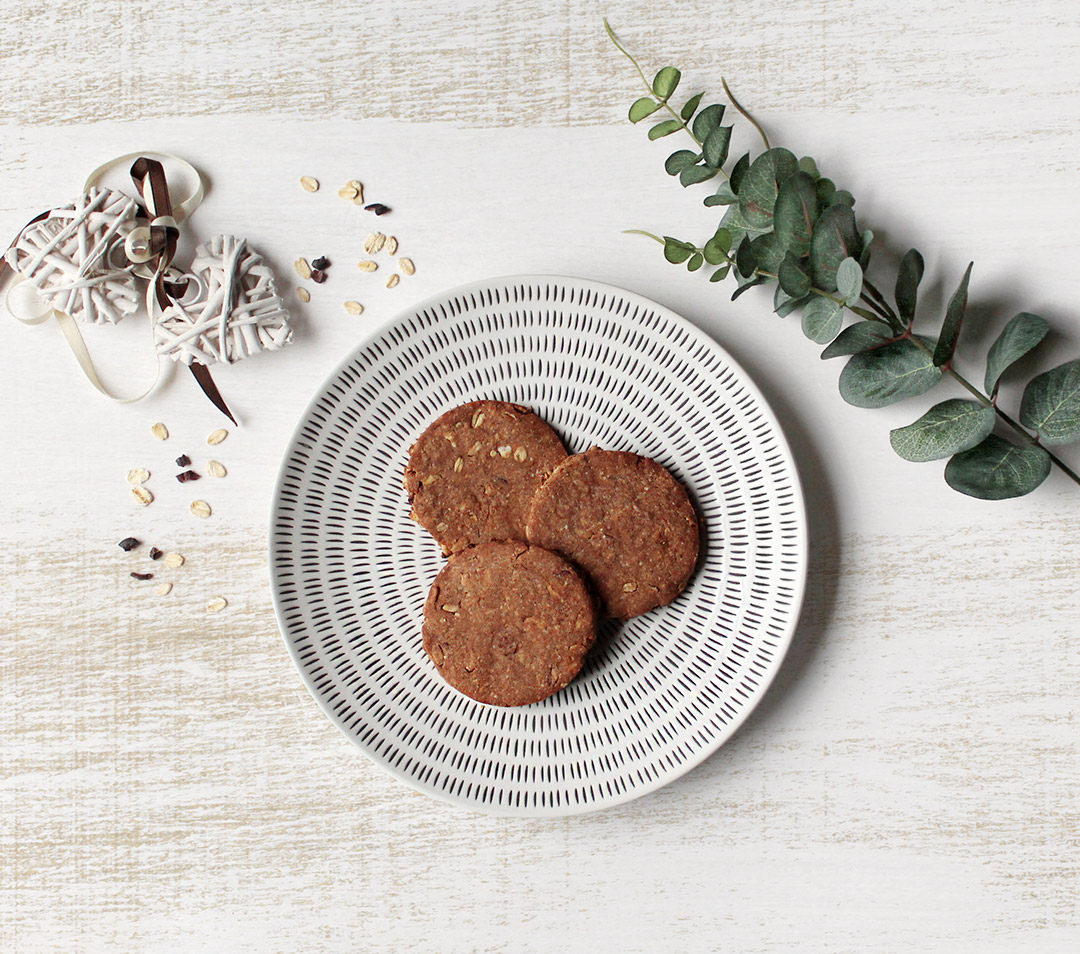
(508, 624)
(625, 522)
(472, 474)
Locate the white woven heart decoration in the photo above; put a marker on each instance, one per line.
(236, 313)
(74, 257)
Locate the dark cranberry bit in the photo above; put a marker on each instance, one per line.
(183, 461)
(142, 576)
(322, 263)
(378, 208)
(186, 476)
(155, 553)
(318, 276)
(128, 544)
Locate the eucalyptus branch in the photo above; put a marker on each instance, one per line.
(786, 223)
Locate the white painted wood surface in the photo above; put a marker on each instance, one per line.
(166, 782)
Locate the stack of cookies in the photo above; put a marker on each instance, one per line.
(541, 545)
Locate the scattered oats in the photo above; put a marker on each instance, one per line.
(216, 437)
(407, 266)
(309, 183)
(391, 245)
(369, 242)
(491, 453)
(504, 450)
(450, 607)
(215, 468)
(200, 508)
(440, 527)
(393, 280)
(367, 265)
(521, 454)
(359, 187)
(475, 448)
(629, 587)
(380, 241)
(160, 431)
(354, 307)
(164, 589)
(303, 294)
(217, 604)
(142, 496)
(303, 268)
(138, 476)
(478, 419)
(458, 464)
(347, 192)
(174, 560)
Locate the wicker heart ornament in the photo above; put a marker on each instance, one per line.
(74, 257)
(232, 309)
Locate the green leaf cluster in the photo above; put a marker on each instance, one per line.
(784, 223)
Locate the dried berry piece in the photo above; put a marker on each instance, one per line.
(128, 544)
(155, 553)
(187, 475)
(318, 276)
(377, 207)
(183, 461)
(142, 576)
(322, 263)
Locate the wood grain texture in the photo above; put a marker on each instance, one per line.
(167, 784)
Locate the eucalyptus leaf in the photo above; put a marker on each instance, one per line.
(954, 318)
(786, 304)
(807, 165)
(690, 107)
(666, 128)
(739, 227)
(835, 238)
(1023, 332)
(822, 319)
(760, 185)
(745, 261)
(717, 247)
(907, 285)
(666, 82)
(864, 256)
(885, 375)
(694, 174)
(715, 146)
(759, 280)
(842, 197)
(768, 253)
(696, 261)
(738, 172)
(849, 279)
(722, 196)
(676, 251)
(793, 279)
(946, 429)
(679, 160)
(864, 313)
(720, 274)
(997, 469)
(861, 336)
(825, 188)
(795, 212)
(707, 120)
(642, 108)
(1051, 404)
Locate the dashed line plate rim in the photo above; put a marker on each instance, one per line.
(666, 690)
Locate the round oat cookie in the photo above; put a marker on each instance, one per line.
(508, 624)
(625, 522)
(473, 472)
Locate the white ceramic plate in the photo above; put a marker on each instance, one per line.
(351, 571)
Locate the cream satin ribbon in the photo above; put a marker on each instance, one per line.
(68, 325)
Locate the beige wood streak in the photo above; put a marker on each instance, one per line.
(512, 63)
